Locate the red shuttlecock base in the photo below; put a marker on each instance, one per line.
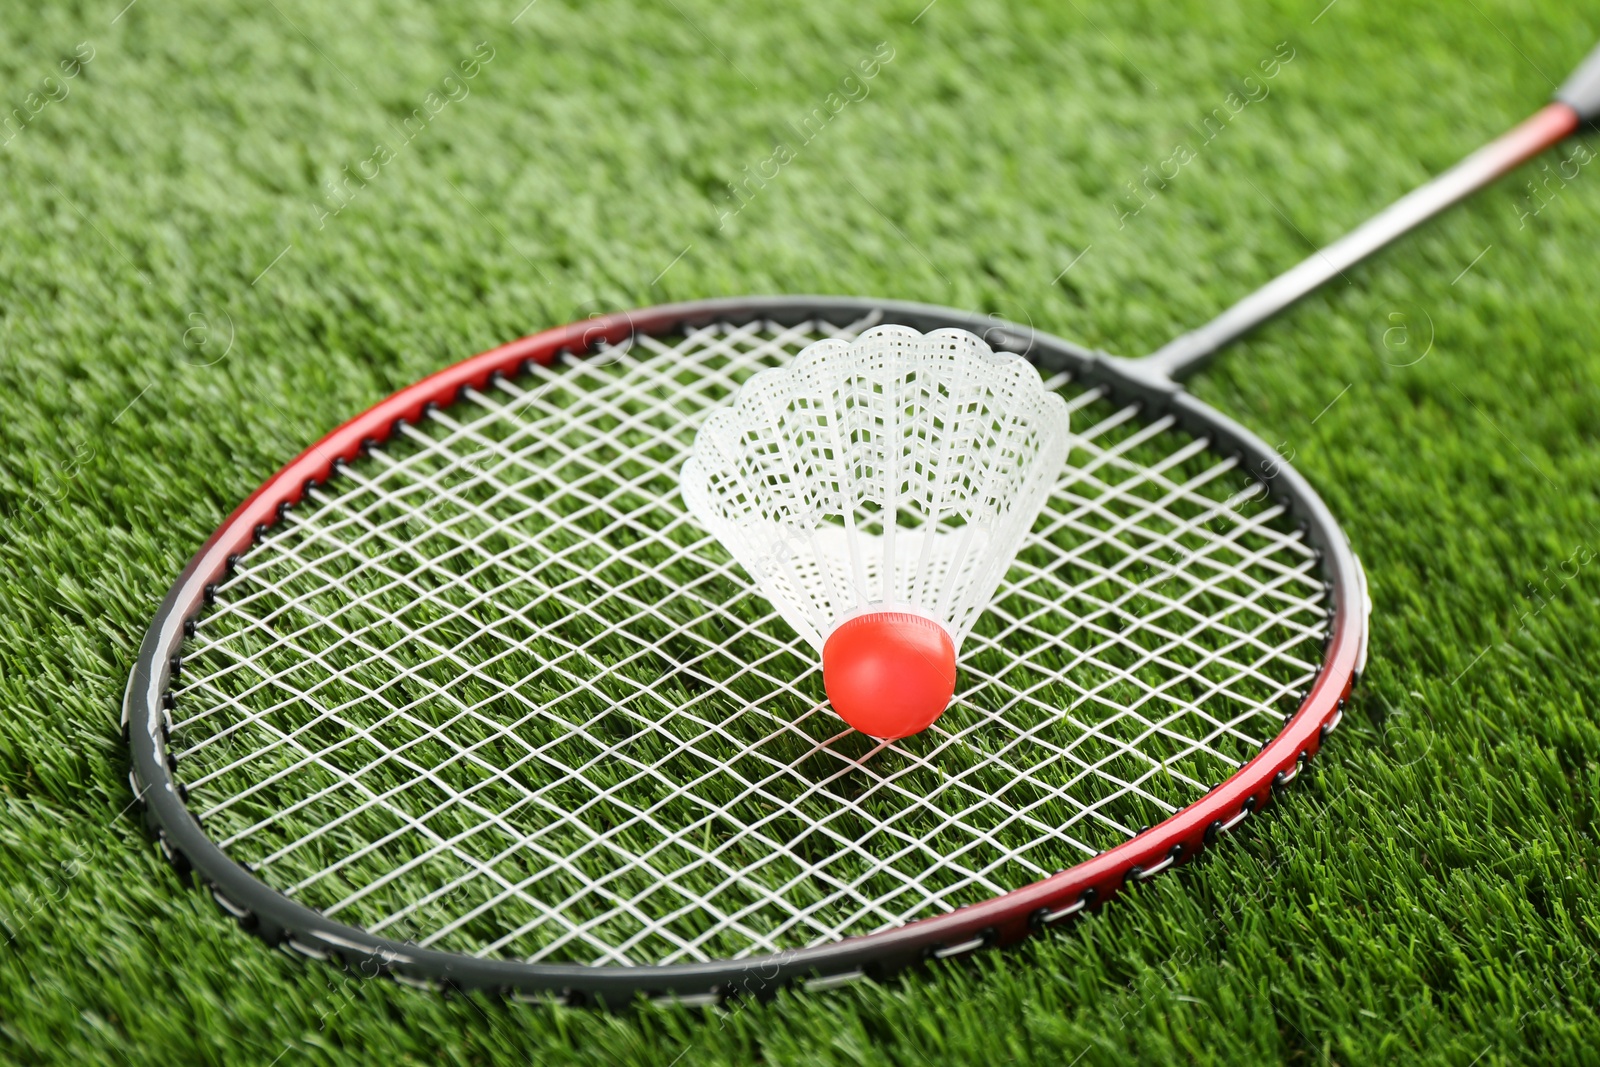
(889, 674)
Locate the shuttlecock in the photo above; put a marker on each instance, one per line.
(877, 491)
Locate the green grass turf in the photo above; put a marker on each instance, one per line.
(1426, 894)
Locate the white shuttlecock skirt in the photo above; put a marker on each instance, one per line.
(898, 471)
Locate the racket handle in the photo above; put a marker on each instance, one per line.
(1581, 92)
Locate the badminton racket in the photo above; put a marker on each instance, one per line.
(464, 697)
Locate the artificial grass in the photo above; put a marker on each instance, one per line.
(1425, 894)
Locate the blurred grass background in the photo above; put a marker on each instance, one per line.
(179, 316)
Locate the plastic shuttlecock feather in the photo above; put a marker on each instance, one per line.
(877, 491)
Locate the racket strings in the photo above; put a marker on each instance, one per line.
(492, 691)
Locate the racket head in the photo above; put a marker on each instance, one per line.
(157, 682)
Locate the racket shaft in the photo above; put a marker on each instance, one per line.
(1545, 128)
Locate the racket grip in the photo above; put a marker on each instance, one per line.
(1581, 91)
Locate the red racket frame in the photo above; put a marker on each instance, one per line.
(1001, 920)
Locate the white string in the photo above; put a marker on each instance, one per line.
(493, 691)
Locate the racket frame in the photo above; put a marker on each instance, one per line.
(1001, 920)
